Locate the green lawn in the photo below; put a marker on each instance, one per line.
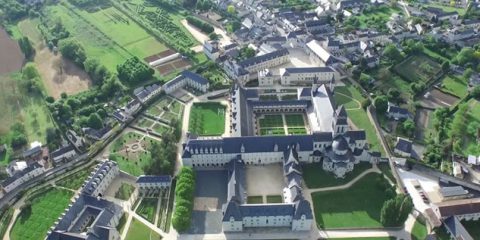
(271, 121)
(74, 181)
(132, 162)
(455, 85)
(472, 147)
(294, 120)
(254, 199)
(460, 11)
(315, 177)
(144, 122)
(274, 199)
(138, 230)
(473, 227)
(34, 222)
(297, 131)
(147, 208)
(357, 206)
(419, 231)
(360, 119)
(207, 119)
(386, 170)
(124, 191)
(381, 13)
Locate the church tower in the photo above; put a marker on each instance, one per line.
(339, 123)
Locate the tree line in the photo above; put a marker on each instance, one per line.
(184, 194)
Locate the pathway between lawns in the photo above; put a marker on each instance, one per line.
(355, 100)
(374, 169)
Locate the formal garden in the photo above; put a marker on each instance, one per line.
(255, 199)
(271, 124)
(138, 230)
(418, 67)
(39, 214)
(207, 119)
(132, 152)
(147, 208)
(125, 191)
(358, 206)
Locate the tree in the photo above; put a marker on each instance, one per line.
(392, 53)
(408, 126)
(94, 121)
(213, 36)
(395, 211)
(381, 103)
(393, 95)
(446, 66)
(96, 70)
(465, 56)
(133, 70)
(365, 103)
(231, 9)
(475, 92)
(73, 50)
(467, 73)
(18, 134)
(184, 199)
(245, 53)
(189, 3)
(26, 47)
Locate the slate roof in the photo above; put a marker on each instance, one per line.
(397, 110)
(455, 227)
(97, 177)
(340, 143)
(459, 207)
(32, 151)
(20, 174)
(307, 70)
(61, 151)
(303, 208)
(263, 58)
(404, 145)
(257, 210)
(154, 179)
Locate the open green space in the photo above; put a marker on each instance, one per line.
(418, 68)
(144, 122)
(386, 170)
(272, 131)
(296, 131)
(274, 199)
(254, 199)
(356, 114)
(74, 181)
(160, 129)
(473, 227)
(472, 146)
(377, 16)
(35, 220)
(124, 191)
(315, 177)
(419, 231)
(207, 119)
(294, 120)
(357, 206)
(271, 121)
(132, 162)
(445, 8)
(147, 208)
(456, 85)
(138, 230)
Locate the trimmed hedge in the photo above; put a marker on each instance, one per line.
(184, 194)
(203, 26)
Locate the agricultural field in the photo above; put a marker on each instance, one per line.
(456, 85)
(358, 116)
(138, 230)
(207, 119)
(131, 152)
(357, 206)
(35, 220)
(315, 177)
(417, 68)
(11, 58)
(147, 208)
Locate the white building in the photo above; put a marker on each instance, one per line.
(101, 178)
(15, 167)
(307, 76)
(63, 154)
(23, 176)
(187, 78)
(153, 185)
(319, 54)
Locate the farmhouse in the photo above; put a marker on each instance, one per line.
(187, 78)
(63, 154)
(152, 185)
(331, 142)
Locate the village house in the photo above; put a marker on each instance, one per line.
(403, 147)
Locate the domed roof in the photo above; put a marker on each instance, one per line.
(340, 144)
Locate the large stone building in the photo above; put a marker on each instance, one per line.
(330, 141)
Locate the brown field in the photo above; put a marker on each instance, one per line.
(422, 119)
(437, 98)
(60, 75)
(159, 55)
(11, 57)
(165, 69)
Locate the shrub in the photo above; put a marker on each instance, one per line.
(203, 26)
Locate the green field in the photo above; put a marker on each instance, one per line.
(274, 199)
(207, 119)
(472, 146)
(34, 221)
(419, 231)
(138, 230)
(379, 14)
(418, 68)
(254, 199)
(456, 85)
(315, 177)
(357, 206)
(359, 116)
(147, 208)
